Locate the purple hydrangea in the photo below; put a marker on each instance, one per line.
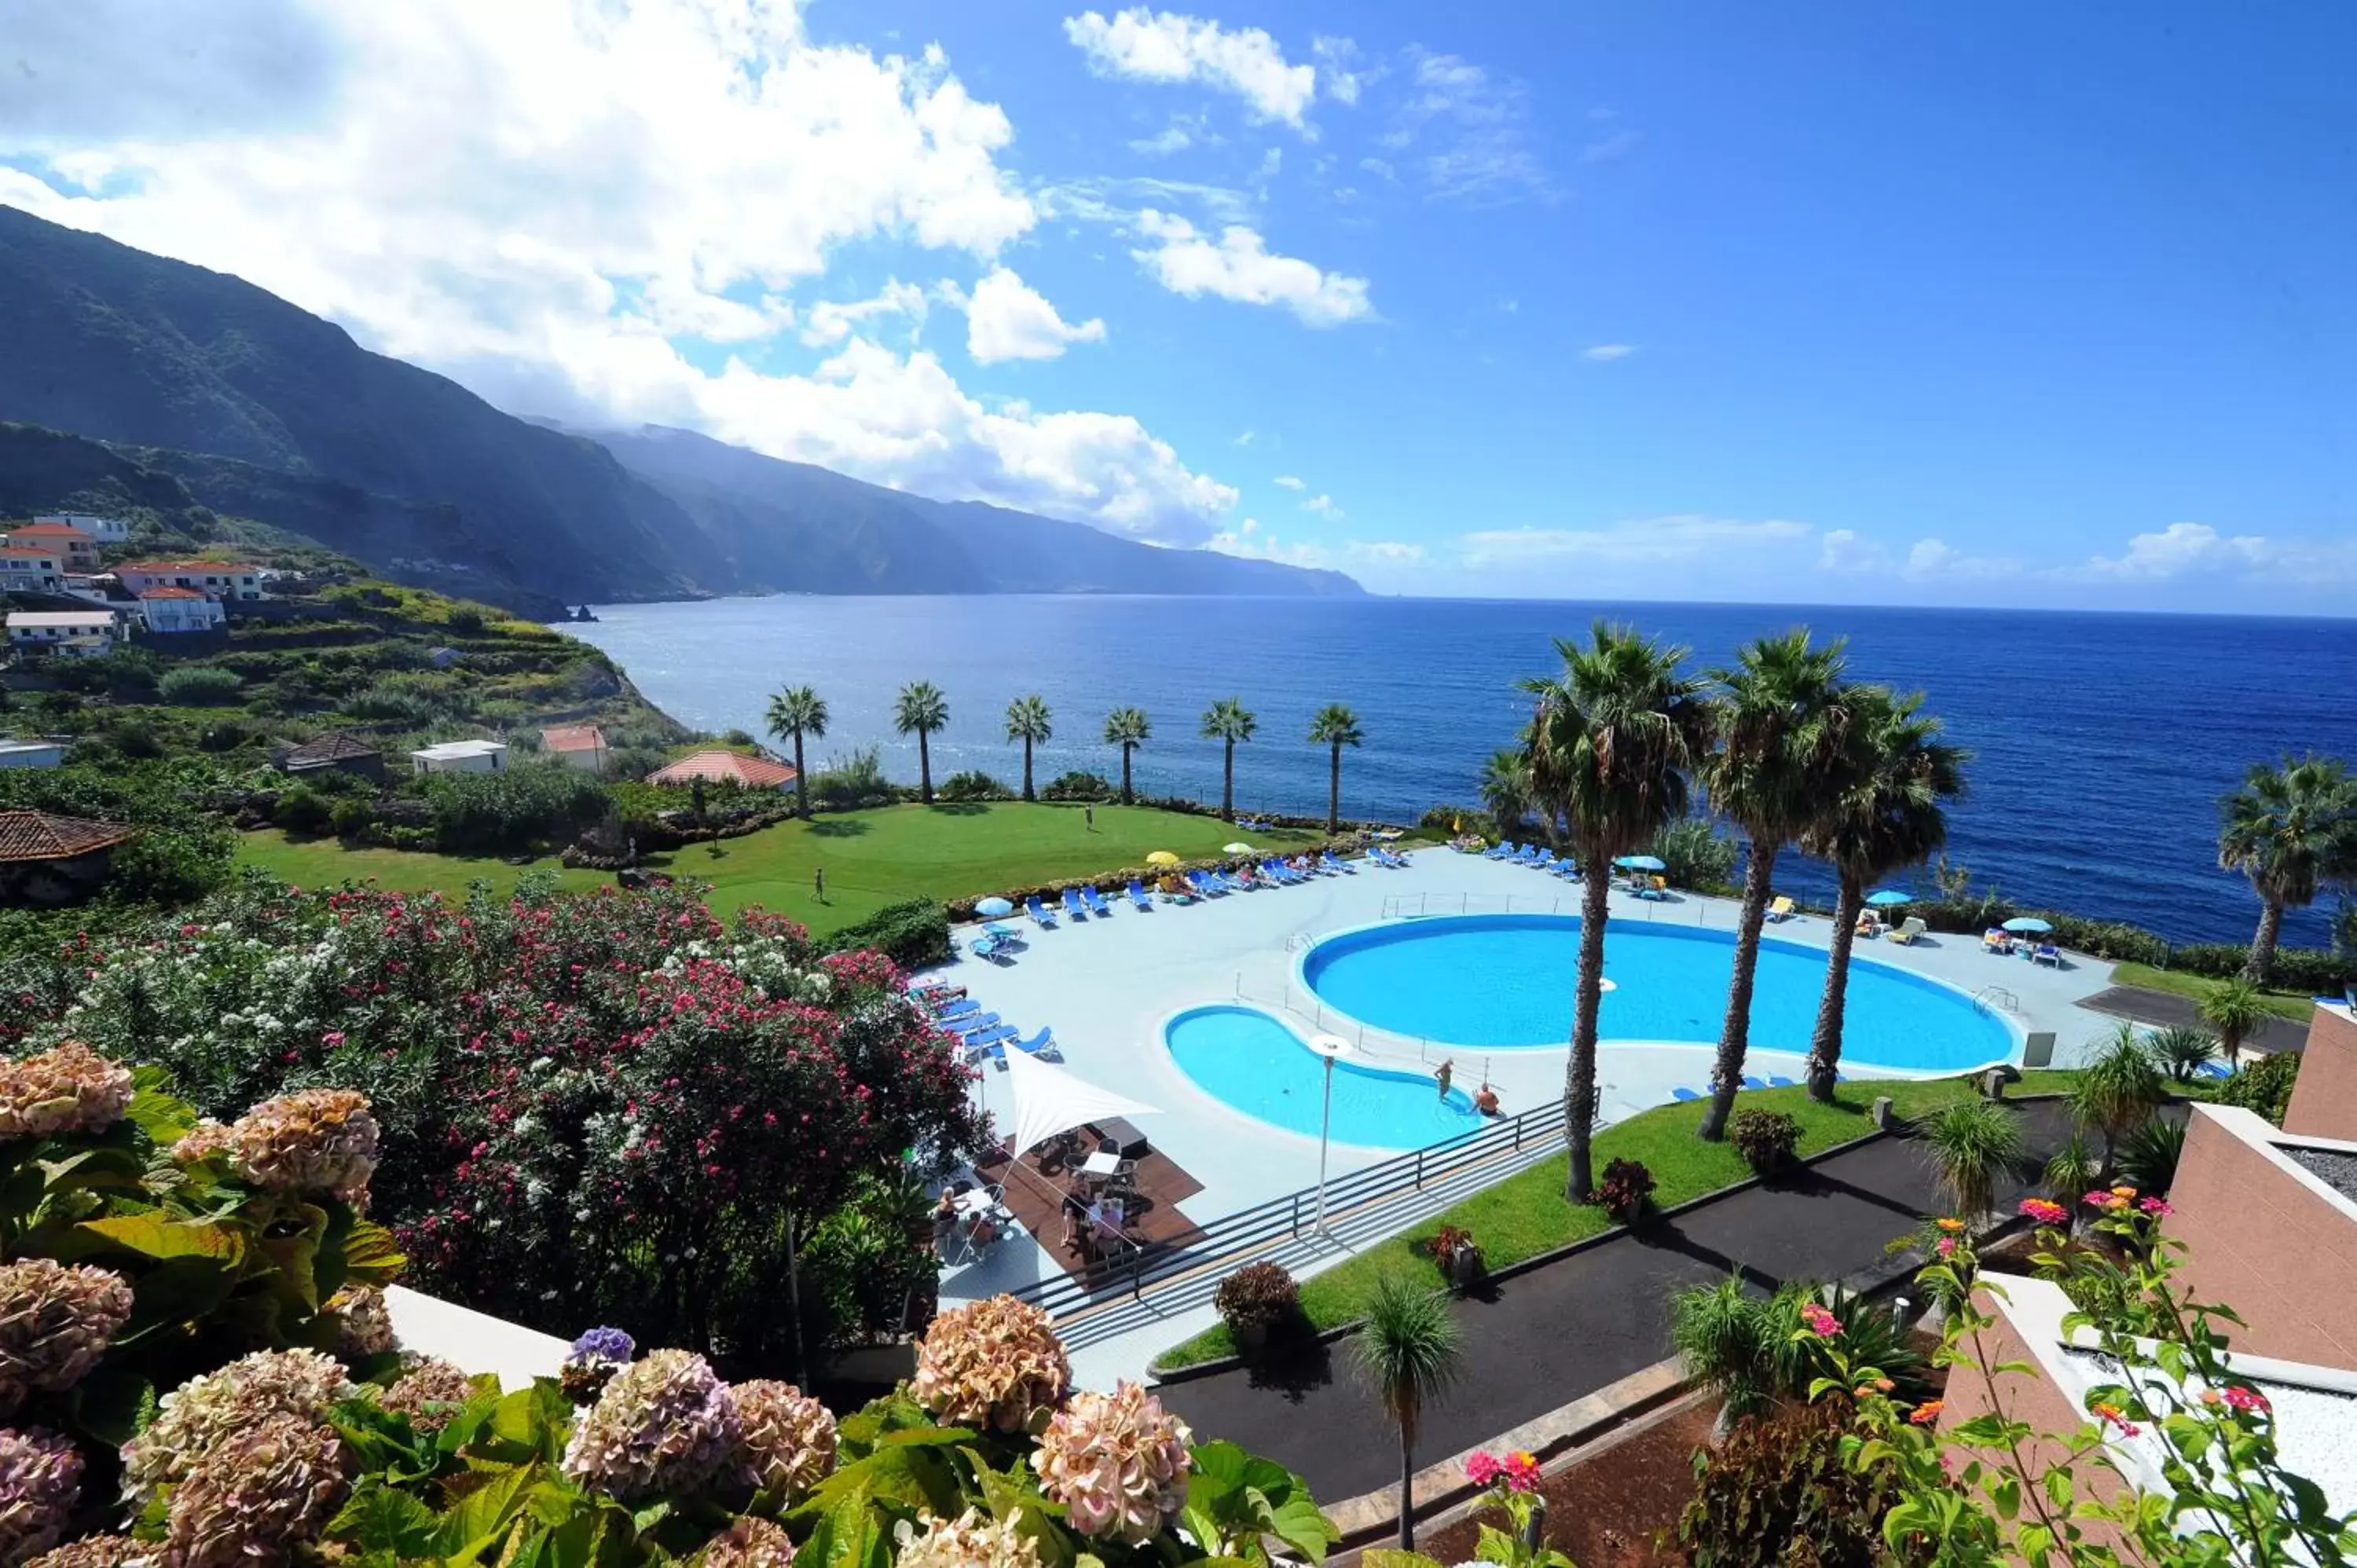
(603, 1344)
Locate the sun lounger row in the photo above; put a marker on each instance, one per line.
(980, 1033)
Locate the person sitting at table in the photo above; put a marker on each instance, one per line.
(984, 1233)
(1485, 1101)
(946, 1219)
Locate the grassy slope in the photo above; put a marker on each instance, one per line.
(2293, 1005)
(1527, 1214)
(872, 858)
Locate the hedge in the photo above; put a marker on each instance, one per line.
(914, 934)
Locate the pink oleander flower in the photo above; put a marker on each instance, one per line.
(315, 1140)
(663, 1424)
(970, 1541)
(363, 1323)
(428, 1392)
(55, 1324)
(262, 1495)
(41, 1482)
(2158, 1207)
(1820, 1322)
(1117, 1462)
(2044, 1211)
(206, 1412)
(788, 1444)
(71, 1089)
(996, 1363)
(750, 1542)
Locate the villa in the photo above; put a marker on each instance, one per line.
(224, 580)
(34, 570)
(718, 767)
(105, 530)
(77, 549)
(335, 752)
(67, 633)
(170, 612)
(461, 756)
(580, 747)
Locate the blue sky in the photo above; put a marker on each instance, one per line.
(2009, 304)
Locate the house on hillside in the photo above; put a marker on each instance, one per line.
(64, 633)
(226, 580)
(170, 611)
(48, 860)
(77, 549)
(443, 658)
(105, 530)
(576, 746)
(718, 767)
(32, 753)
(31, 572)
(335, 752)
(461, 756)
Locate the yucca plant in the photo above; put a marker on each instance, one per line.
(1973, 1145)
(2117, 1090)
(2183, 1050)
(1409, 1348)
(1722, 1336)
(2149, 1155)
(2072, 1171)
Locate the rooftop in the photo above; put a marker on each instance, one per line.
(48, 531)
(233, 568)
(37, 836)
(574, 737)
(718, 767)
(171, 593)
(333, 747)
(451, 750)
(60, 618)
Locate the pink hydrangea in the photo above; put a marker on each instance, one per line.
(1117, 1462)
(70, 1089)
(1820, 1322)
(55, 1324)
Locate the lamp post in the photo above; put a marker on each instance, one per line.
(1328, 1046)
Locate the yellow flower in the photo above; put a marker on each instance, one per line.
(2123, 1192)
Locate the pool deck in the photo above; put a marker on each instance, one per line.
(1107, 985)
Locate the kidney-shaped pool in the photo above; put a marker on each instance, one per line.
(1250, 1060)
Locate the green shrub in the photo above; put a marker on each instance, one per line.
(512, 812)
(1078, 785)
(226, 735)
(972, 785)
(466, 620)
(352, 816)
(303, 809)
(199, 686)
(852, 783)
(2264, 1085)
(2149, 1155)
(2319, 971)
(914, 934)
(1261, 1298)
(1781, 1491)
(1447, 818)
(1625, 1191)
(183, 851)
(134, 739)
(1696, 853)
(1766, 1139)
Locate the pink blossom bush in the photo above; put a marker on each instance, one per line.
(55, 1324)
(995, 1364)
(1116, 1462)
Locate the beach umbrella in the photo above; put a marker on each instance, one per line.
(994, 907)
(2030, 923)
(1890, 898)
(1162, 858)
(1641, 863)
(1235, 849)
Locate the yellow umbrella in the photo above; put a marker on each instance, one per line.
(1162, 858)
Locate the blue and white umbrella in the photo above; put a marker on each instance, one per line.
(1641, 863)
(2029, 924)
(1890, 898)
(994, 906)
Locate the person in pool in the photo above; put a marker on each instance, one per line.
(1485, 1100)
(1448, 1070)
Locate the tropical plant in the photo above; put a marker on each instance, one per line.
(1127, 728)
(2149, 1154)
(2073, 1169)
(1506, 793)
(1885, 811)
(2117, 1089)
(2183, 1050)
(1973, 1144)
(974, 784)
(2289, 830)
(1627, 1190)
(199, 686)
(1693, 854)
(1260, 1298)
(1409, 1348)
(1788, 1489)
(2264, 1085)
(920, 710)
(1755, 1351)
(1029, 720)
(1611, 734)
(1783, 735)
(1766, 1139)
(1335, 726)
(848, 783)
(794, 712)
(2237, 1009)
(1227, 722)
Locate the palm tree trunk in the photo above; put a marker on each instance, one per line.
(1579, 1072)
(1228, 784)
(924, 768)
(1334, 794)
(1027, 768)
(801, 779)
(1826, 1045)
(1734, 1034)
(1407, 1488)
(1127, 799)
(2262, 946)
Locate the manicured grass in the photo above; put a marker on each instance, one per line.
(872, 858)
(1527, 1214)
(2294, 1005)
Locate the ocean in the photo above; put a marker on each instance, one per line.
(2100, 742)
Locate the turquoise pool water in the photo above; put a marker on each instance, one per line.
(1502, 980)
(1245, 1057)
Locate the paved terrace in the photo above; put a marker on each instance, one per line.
(1106, 985)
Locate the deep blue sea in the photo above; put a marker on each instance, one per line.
(2100, 742)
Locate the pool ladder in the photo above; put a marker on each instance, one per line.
(1988, 998)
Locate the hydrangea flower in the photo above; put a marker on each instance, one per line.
(316, 1140)
(1117, 1462)
(970, 1541)
(1821, 1323)
(593, 1362)
(603, 1344)
(663, 1424)
(206, 1412)
(55, 1323)
(100, 1552)
(263, 1492)
(428, 1392)
(748, 1544)
(71, 1088)
(996, 1363)
(363, 1323)
(789, 1437)
(41, 1482)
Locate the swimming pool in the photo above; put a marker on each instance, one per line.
(1503, 980)
(1247, 1060)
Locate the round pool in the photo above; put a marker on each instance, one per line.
(1498, 982)
(1248, 1059)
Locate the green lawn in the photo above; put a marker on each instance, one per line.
(872, 858)
(1527, 1214)
(2293, 1005)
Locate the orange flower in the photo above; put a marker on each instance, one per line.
(1949, 1223)
(2123, 1192)
(1884, 1385)
(1927, 1413)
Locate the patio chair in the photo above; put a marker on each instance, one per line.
(1139, 898)
(1908, 930)
(1040, 914)
(1095, 901)
(1682, 1094)
(957, 1009)
(1505, 849)
(1041, 1045)
(1326, 858)
(2048, 953)
(1781, 909)
(1653, 888)
(973, 1026)
(1072, 904)
(1204, 888)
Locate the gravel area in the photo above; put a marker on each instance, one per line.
(2336, 1169)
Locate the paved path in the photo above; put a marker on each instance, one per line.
(1569, 1329)
(2166, 1008)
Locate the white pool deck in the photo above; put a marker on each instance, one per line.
(1107, 985)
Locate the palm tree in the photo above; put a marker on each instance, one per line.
(1610, 737)
(1885, 814)
(1409, 1347)
(2183, 1050)
(1028, 721)
(2237, 1009)
(920, 710)
(2119, 1090)
(799, 711)
(1335, 726)
(1973, 1144)
(2289, 829)
(1782, 733)
(1228, 720)
(1127, 728)
(1506, 789)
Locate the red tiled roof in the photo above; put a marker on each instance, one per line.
(574, 737)
(36, 835)
(725, 768)
(170, 594)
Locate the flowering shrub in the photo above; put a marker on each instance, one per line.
(1625, 1191)
(1117, 1463)
(995, 1364)
(1766, 1139)
(663, 1424)
(55, 1323)
(71, 1089)
(787, 1438)
(41, 1482)
(1258, 1298)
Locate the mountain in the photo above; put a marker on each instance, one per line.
(258, 409)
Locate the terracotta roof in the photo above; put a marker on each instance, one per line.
(48, 531)
(333, 747)
(36, 835)
(725, 768)
(574, 737)
(170, 594)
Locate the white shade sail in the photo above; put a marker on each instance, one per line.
(1048, 1100)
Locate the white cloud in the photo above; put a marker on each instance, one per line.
(1007, 318)
(1380, 169)
(1338, 73)
(1184, 131)
(1323, 505)
(1163, 46)
(1844, 552)
(1478, 128)
(1935, 560)
(1240, 267)
(1380, 556)
(2184, 547)
(546, 199)
(1605, 353)
(1247, 438)
(1291, 482)
(1685, 537)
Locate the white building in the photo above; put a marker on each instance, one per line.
(581, 746)
(462, 757)
(62, 631)
(170, 610)
(214, 579)
(75, 548)
(32, 753)
(35, 571)
(105, 530)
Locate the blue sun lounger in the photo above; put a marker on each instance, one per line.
(1040, 914)
(1137, 894)
(1505, 850)
(1204, 885)
(1775, 1082)
(980, 1024)
(1683, 1094)
(1041, 1045)
(1095, 901)
(1073, 906)
(1326, 858)
(960, 1008)
(1751, 1082)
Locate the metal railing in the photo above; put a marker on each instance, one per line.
(1680, 908)
(1140, 1267)
(1988, 998)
